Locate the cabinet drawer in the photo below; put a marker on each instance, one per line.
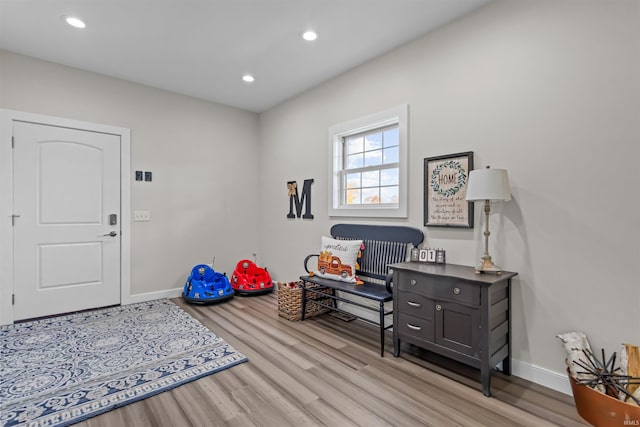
(415, 327)
(441, 288)
(415, 305)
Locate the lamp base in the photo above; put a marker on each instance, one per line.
(487, 266)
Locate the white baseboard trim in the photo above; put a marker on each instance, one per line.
(543, 376)
(171, 293)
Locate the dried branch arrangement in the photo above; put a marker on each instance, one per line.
(603, 372)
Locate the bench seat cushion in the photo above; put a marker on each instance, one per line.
(366, 290)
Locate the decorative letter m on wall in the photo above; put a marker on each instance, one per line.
(299, 201)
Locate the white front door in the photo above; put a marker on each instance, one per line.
(66, 196)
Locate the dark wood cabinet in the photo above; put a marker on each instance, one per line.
(455, 312)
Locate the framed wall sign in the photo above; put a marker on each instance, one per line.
(445, 188)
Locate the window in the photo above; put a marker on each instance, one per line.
(369, 166)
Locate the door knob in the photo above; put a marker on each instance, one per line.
(112, 234)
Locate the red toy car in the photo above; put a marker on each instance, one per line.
(248, 278)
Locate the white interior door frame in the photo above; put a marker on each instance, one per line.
(7, 117)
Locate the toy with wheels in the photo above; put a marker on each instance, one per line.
(205, 286)
(248, 279)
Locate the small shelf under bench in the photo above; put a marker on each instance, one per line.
(453, 311)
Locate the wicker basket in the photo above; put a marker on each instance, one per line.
(290, 300)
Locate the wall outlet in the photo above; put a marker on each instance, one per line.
(138, 175)
(141, 216)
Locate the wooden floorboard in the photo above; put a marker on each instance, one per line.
(328, 372)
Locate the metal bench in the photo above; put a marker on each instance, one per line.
(383, 245)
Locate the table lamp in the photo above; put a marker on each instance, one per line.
(488, 185)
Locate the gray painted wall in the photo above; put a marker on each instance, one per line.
(191, 146)
(549, 90)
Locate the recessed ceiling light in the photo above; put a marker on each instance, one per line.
(309, 35)
(248, 78)
(74, 22)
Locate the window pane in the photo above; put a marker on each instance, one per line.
(373, 158)
(390, 176)
(353, 180)
(391, 155)
(354, 161)
(353, 197)
(389, 194)
(391, 137)
(371, 179)
(355, 144)
(373, 141)
(370, 196)
(368, 164)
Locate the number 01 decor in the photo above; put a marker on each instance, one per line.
(445, 186)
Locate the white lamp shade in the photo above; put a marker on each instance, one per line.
(488, 184)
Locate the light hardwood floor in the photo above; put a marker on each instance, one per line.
(325, 371)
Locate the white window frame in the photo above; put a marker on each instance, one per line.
(394, 116)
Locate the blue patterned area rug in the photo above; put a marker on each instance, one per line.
(62, 370)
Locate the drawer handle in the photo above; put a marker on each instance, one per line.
(438, 307)
(414, 327)
(414, 304)
(456, 291)
(413, 282)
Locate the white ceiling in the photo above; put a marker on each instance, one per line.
(201, 48)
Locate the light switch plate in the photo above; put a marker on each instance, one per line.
(141, 216)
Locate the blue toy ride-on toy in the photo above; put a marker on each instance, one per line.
(205, 286)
